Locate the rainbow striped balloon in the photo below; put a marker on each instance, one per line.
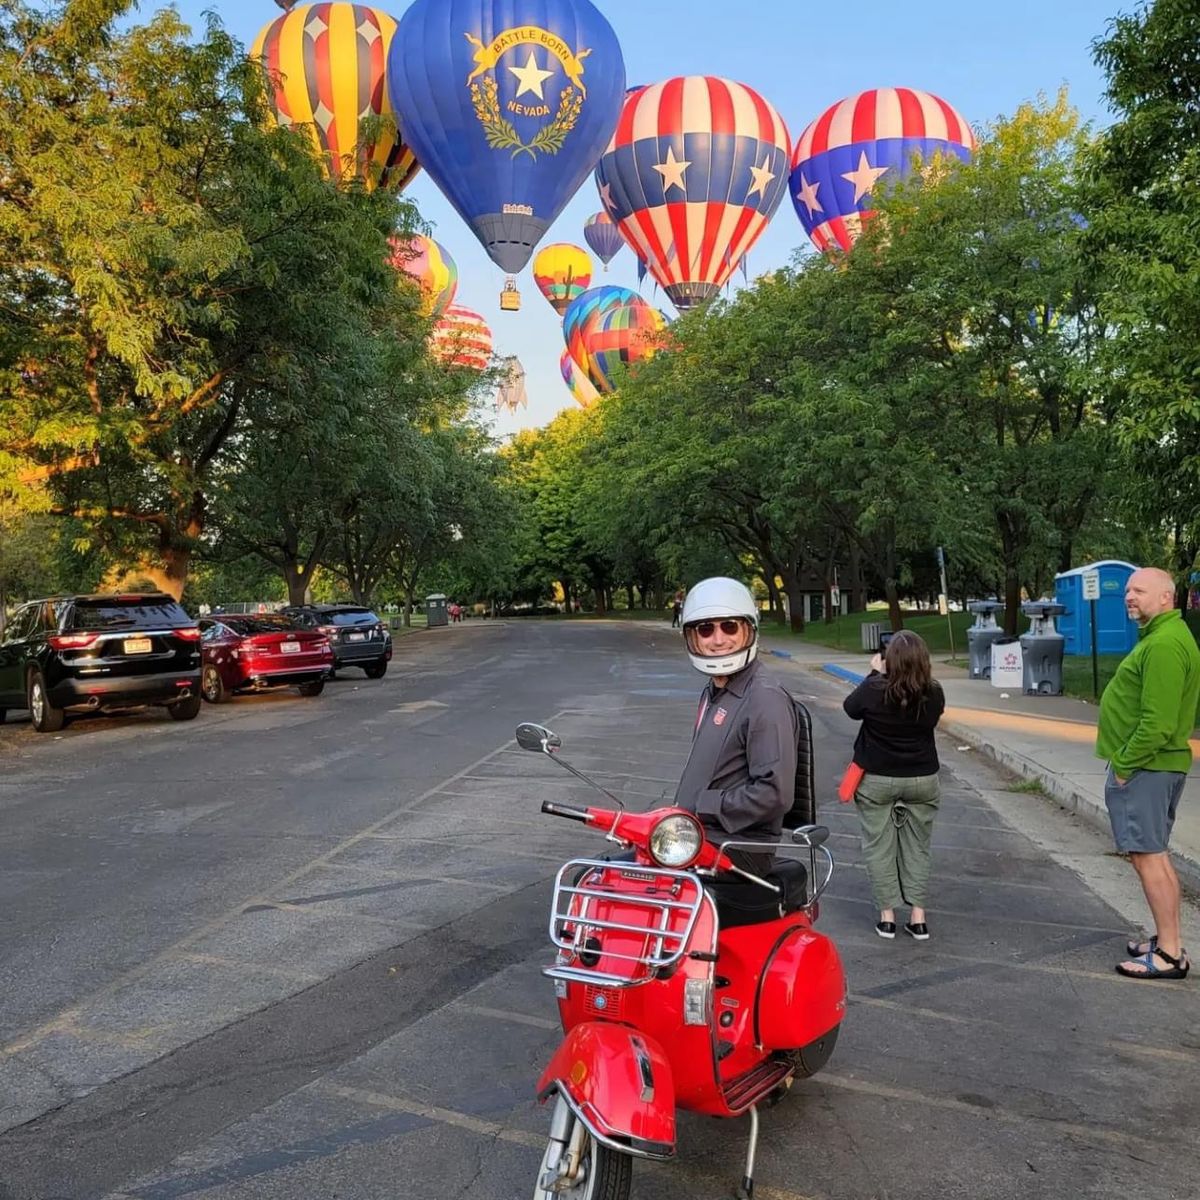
(326, 65)
(619, 338)
(430, 265)
(578, 384)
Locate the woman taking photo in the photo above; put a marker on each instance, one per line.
(899, 704)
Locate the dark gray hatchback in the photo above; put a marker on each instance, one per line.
(99, 653)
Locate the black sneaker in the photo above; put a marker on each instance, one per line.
(920, 931)
(886, 929)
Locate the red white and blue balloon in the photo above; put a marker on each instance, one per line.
(864, 141)
(695, 170)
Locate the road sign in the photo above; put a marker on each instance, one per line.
(835, 598)
(1091, 585)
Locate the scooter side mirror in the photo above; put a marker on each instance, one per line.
(537, 737)
(810, 835)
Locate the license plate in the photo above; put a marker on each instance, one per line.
(290, 647)
(357, 637)
(137, 645)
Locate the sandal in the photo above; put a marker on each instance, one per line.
(1137, 949)
(1178, 968)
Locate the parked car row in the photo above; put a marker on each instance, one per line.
(81, 655)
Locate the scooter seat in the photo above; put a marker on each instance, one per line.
(792, 876)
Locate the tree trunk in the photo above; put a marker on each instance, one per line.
(891, 589)
(795, 597)
(298, 582)
(629, 596)
(857, 599)
(776, 607)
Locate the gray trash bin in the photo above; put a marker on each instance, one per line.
(981, 635)
(1042, 649)
(436, 610)
(870, 634)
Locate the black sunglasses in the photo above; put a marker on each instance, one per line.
(706, 629)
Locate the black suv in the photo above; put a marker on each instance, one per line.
(357, 636)
(99, 654)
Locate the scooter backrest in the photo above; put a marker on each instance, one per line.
(804, 804)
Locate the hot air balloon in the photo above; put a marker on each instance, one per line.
(326, 64)
(603, 236)
(618, 338)
(462, 339)
(859, 142)
(510, 395)
(585, 309)
(562, 272)
(578, 384)
(429, 263)
(508, 104)
(696, 169)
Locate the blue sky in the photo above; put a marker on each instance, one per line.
(984, 58)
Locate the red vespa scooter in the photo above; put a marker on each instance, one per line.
(663, 1009)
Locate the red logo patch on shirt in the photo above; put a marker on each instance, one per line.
(719, 716)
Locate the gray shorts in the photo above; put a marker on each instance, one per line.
(1142, 809)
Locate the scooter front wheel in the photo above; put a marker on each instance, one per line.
(576, 1167)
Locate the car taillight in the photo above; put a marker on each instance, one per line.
(327, 630)
(72, 641)
(189, 633)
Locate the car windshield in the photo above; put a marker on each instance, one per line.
(356, 616)
(147, 612)
(260, 623)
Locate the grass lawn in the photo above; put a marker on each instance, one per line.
(844, 632)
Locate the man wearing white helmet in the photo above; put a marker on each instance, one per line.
(740, 777)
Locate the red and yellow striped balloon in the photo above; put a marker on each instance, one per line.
(462, 338)
(429, 264)
(326, 66)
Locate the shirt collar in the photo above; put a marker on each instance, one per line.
(737, 684)
(1162, 619)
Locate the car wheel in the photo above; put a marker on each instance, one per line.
(312, 689)
(185, 710)
(44, 716)
(212, 686)
(376, 670)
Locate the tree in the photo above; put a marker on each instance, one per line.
(176, 261)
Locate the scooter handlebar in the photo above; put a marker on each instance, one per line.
(565, 810)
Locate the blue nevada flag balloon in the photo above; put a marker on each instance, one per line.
(508, 105)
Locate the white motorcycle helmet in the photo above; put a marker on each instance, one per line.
(719, 599)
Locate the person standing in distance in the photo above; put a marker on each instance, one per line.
(740, 777)
(899, 704)
(1147, 713)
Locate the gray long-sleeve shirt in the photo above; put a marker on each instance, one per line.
(740, 778)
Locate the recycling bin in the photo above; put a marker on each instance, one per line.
(436, 610)
(981, 637)
(1007, 670)
(1042, 649)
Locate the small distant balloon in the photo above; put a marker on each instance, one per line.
(582, 390)
(326, 73)
(510, 395)
(860, 143)
(462, 338)
(430, 265)
(562, 272)
(603, 236)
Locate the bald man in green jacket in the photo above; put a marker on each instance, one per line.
(1147, 714)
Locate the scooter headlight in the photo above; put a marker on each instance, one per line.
(676, 840)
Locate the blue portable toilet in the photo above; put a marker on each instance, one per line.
(1115, 632)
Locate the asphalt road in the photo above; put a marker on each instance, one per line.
(291, 951)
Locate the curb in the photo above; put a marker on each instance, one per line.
(842, 673)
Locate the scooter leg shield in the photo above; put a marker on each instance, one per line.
(619, 1083)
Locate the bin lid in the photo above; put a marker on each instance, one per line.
(436, 596)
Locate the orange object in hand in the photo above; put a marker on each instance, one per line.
(850, 781)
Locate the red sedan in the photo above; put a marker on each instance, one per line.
(257, 652)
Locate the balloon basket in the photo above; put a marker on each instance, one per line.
(510, 298)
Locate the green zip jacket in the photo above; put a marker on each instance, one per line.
(1149, 707)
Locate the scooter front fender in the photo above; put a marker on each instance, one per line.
(618, 1082)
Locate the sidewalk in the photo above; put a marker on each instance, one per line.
(1046, 738)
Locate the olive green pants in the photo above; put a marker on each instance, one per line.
(897, 827)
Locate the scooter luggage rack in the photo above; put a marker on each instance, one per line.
(668, 945)
(794, 845)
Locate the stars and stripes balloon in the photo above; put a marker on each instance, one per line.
(462, 338)
(325, 65)
(562, 272)
(429, 264)
(508, 104)
(696, 168)
(582, 390)
(863, 142)
(619, 338)
(601, 233)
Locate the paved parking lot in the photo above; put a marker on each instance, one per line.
(293, 952)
